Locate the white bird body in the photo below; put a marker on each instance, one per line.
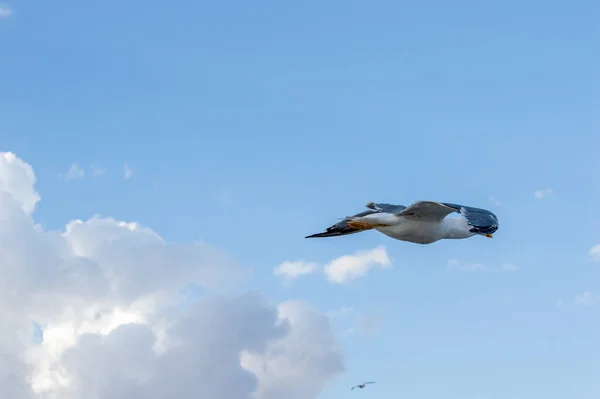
(423, 222)
(425, 232)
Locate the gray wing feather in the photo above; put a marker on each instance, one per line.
(386, 208)
(481, 220)
(341, 228)
(427, 210)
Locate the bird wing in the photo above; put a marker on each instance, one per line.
(342, 228)
(370, 382)
(481, 220)
(428, 211)
(353, 387)
(386, 208)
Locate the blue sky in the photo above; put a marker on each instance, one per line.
(252, 124)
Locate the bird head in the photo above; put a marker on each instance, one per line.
(485, 231)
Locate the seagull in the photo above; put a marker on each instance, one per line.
(361, 386)
(423, 222)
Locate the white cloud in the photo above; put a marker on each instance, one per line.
(456, 265)
(292, 270)
(587, 299)
(114, 326)
(17, 180)
(495, 201)
(594, 252)
(541, 194)
(298, 366)
(5, 11)
(351, 267)
(97, 170)
(127, 172)
(74, 172)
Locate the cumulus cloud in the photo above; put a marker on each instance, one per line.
(17, 180)
(290, 271)
(127, 172)
(541, 194)
(5, 11)
(587, 299)
(106, 296)
(350, 267)
(298, 366)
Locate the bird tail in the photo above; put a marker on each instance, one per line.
(341, 228)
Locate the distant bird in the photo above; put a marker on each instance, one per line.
(361, 386)
(423, 222)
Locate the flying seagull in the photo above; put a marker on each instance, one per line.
(423, 222)
(361, 386)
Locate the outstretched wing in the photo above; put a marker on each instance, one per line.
(481, 220)
(342, 228)
(356, 386)
(387, 208)
(427, 211)
(370, 382)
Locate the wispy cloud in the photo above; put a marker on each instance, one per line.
(541, 194)
(594, 253)
(343, 311)
(5, 11)
(509, 267)
(495, 201)
(473, 267)
(127, 172)
(454, 264)
(74, 172)
(97, 170)
(349, 321)
(351, 267)
(291, 270)
(587, 299)
(370, 324)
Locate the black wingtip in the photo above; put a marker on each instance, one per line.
(318, 235)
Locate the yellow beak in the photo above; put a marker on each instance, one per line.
(489, 235)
